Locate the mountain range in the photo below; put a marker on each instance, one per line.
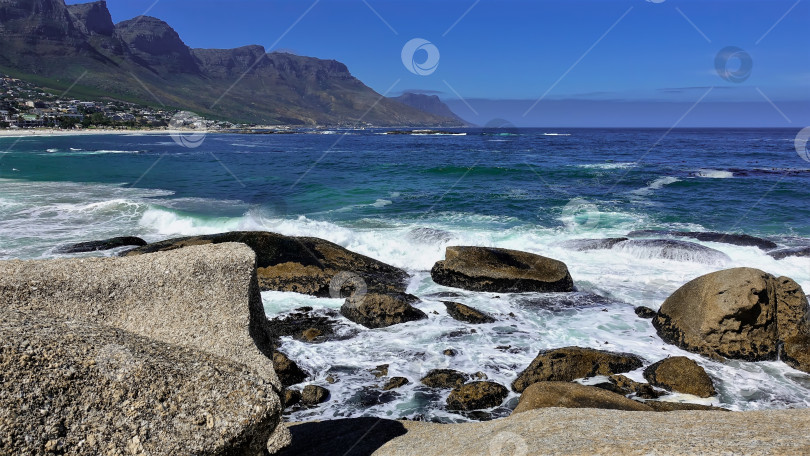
(78, 49)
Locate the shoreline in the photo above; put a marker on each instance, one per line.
(106, 131)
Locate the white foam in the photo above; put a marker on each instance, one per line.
(714, 174)
(620, 165)
(657, 184)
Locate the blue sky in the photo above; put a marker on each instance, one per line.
(650, 60)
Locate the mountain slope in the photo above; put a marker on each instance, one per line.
(144, 60)
(428, 103)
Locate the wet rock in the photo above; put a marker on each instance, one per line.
(562, 301)
(369, 397)
(106, 244)
(314, 395)
(477, 395)
(380, 310)
(429, 235)
(77, 387)
(307, 325)
(582, 245)
(796, 352)
(380, 371)
(288, 372)
(301, 264)
(680, 374)
(670, 249)
(734, 314)
(444, 378)
(570, 363)
(791, 252)
(291, 397)
(500, 270)
(645, 312)
(450, 352)
(664, 406)
(710, 236)
(574, 395)
(394, 383)
(444, 294)
(629, 386)
(467, 314)
(479, 376)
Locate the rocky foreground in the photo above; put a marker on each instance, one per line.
(168, 351)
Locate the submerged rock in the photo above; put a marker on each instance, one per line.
(645, 312)
(734, 314)
(287, 370)
(670, 249)
(500, 270)
(560, 301)
(307, 325)
(106, 244)
(570, 363)
(444, 378)
(467, 314)
(574, 395)
(710, 236)
(791, 252)
(582, 245)
(680, 374)
(301, 264)
(394, 383)
(380, 310)
(477, 395)
(629, 386)
(77, 387)
(314, 395)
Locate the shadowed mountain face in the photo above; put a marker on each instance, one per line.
(428, 103)
(144, 60)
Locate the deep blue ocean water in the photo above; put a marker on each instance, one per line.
(404, 198)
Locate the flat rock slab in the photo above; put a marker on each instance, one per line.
(557, 431)
(106, 244)
(203, 297)
(501, 271)
(711, 236)
(74, 387)
(301, 264)
(574, 395)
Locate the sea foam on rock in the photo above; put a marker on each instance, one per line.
(739, 313)
(301, 264)
(501, 271)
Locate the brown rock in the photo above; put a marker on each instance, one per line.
(394, 383)
(291, 397)
(380, 310)
(573, 395)
(629, 386)
(380, 371)
(570, 363)
(664, 406)
(301, 264)
(311, 334)
(288, 372)
(314, 395)
(796, 352)
(680, 374)
(733, 313)
(467, 314)
(477, 395)
(501, 271)
(645, 312)
(444, 378)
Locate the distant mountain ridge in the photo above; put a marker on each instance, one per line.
(144, 60)
(428, 103)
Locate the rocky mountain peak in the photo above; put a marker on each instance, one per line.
(93, 17)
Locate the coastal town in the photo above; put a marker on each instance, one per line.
(23, 105)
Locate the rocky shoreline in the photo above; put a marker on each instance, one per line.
(200, 296)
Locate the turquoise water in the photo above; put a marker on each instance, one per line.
(404, 198)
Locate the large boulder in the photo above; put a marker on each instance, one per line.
(301, 264)
(76, 387)
(203, 297)
(574, 395)
(739, 313)
(681, 374)
(444, 378)
(477, 395)
(781, 254)
(287, 370)
(466, 313)
(375, 310)
(500, 270)
(570, 363)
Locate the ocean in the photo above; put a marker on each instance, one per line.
(403, 198)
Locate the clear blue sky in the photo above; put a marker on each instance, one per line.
(656, 51)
